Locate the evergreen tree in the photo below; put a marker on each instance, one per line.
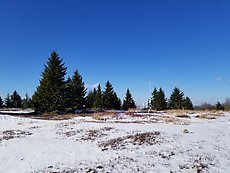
(16, 101)
(110, 99)
(158, 100)
(98, 98)
(26, 102)
(161, 103)
(176, 99)
(1, 102)
(78, 91)
(68, 95)
(8, 101)
(116, 102)
(128, 101)
(188, 104)
(50, 94)
(219, 107)
(91, 98)
(153, 99)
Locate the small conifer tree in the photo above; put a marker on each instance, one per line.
(188, 104)
(98, 98)
(219, 106)
(16, 101)
(78, 91)
(1, 102)
(176, 99)
(8, 101)
(110, 99)
(128, 101)
(26, 102)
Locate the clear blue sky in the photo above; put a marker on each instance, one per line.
(129, 42)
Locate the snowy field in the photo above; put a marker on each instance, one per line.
(120, 143)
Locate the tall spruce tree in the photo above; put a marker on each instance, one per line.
(128, 101)
(1, 102)
(16, 101)
(50, 94)
(8, 101)
(110, 99)
(176, 99)
(98, 98)
(188, 104)
(78, 91)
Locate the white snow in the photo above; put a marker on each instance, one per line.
(85, 144)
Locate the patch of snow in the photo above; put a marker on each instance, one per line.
(75, 144)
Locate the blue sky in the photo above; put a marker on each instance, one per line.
(168, 42)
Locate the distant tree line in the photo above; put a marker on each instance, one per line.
(55, 93)
(158, 101)
(15, 101)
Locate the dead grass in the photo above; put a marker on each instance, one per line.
(210, 116)
(148, 138)
(174, 120)
(179, 111)
(11, 134)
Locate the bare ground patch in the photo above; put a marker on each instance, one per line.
(148, 138)
(11, 134)
(198, 164)
(88, 135)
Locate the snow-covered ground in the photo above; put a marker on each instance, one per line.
(123, 143)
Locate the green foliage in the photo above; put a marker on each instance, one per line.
(188, 104)
(219, 107)
(68, 95)
(1, 102)
(16, 101)
(153, 99)
(128, 101)
(158, 100)
(176, 99)
(110, 99)
(91, 98)
(8, 101)
(50, 94)
(26, 102)
(78, 91)
(98, 98)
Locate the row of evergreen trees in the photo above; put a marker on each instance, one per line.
(15, 101)
(177, 100)
(57, 94)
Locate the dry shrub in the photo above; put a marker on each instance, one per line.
(210, 115)
(54, 116)
(183, 116)
(206, 116)
(179, 111)
(103, 116)
(170, 119)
